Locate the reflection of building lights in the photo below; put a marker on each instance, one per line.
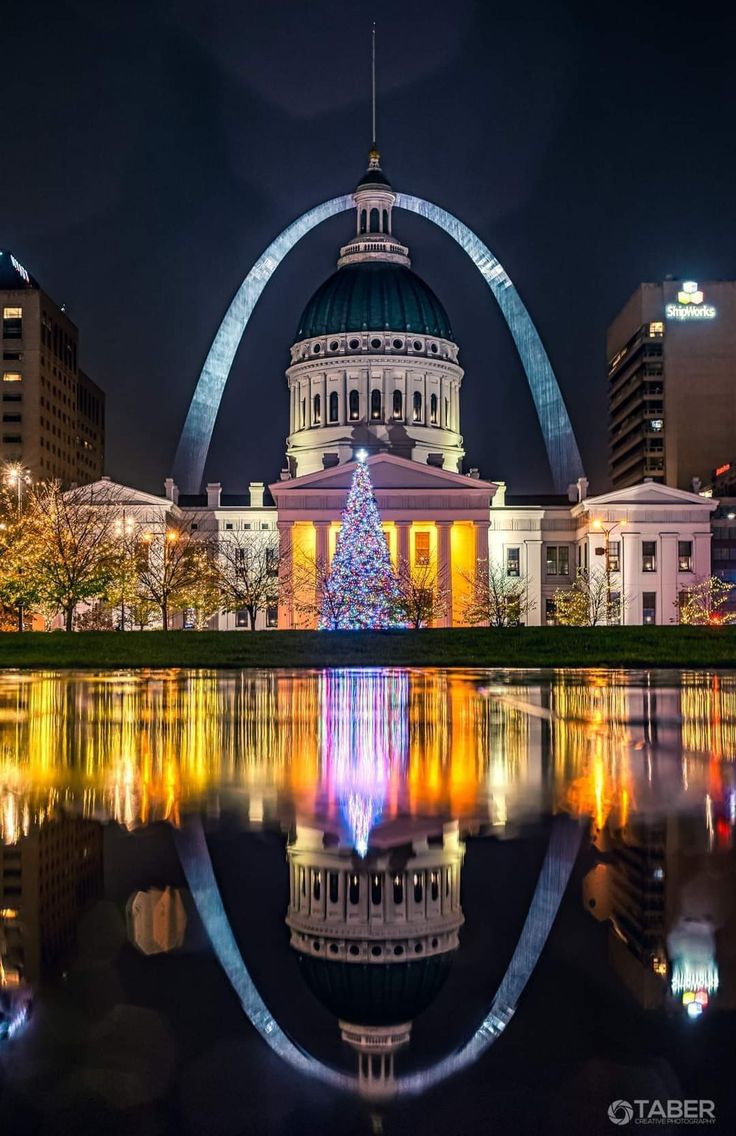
(694, 1010)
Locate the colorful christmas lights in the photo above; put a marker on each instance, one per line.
(361, 591)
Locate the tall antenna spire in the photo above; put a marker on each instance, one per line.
(373, 85)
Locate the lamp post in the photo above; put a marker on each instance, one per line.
(170, 539)
(599, 526)
(124, 529)
(16, 475)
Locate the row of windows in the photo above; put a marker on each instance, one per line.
(376, 344)
(419, 880)
(376, 408)
(56, 339)
(558, 557)
(272, 617)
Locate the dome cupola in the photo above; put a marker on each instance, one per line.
(374, 365)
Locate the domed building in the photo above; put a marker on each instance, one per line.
(374, 365)
(376, 936)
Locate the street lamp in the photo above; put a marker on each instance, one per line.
(123, 529)
(16, 475)
(607, 530)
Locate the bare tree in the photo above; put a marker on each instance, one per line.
(176, 563)
(495, 598)
(707, 602)
(248, 573)
(587, 602)
(423, 599)
(307, 588)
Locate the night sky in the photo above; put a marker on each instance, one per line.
(151, 150)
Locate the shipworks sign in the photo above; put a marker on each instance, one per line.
(690, 304)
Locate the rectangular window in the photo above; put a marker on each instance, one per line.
(656, 329)
(512, 561)
(649, 556)
(549, 612)
(649, 607)
(12, 323)
(272, 616)
(12, 439)
(558, 560)
(241, 617)
(684, 556)
(17, 418)
(614, 556)
(421, 548)
(12, 377)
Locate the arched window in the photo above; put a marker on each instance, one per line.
(354, 890)
(398, 405)
(375, 221)
(317, 410)
(417, 403)
(363, 220)
(385, 220)
(333, 407)
(375, 404)
(433, 409)
(354, 404)
(447, 412)
(304, 413)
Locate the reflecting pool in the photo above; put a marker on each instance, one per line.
(366, 900)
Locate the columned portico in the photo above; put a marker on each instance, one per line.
(444, 571)
(286, 618)
(435, 520)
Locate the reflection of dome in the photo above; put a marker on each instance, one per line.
(376, 995)
(374, 296)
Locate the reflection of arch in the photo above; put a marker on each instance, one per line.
(562, 450)
(553, 878)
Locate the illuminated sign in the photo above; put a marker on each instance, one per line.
(690, 304)
(20, 269)
(722, 469)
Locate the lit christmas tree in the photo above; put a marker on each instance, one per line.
(361, 590)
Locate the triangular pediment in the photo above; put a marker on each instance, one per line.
(114, 492)
(387, 472)
(648, 493)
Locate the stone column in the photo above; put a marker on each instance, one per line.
(631, 578)
(322, 543)
(286, 582)
(668, 576)
(444, 569)
(482, 551)
(403, 528)
(535, 603)
(701, 555)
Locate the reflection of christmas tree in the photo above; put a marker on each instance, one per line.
(361, 590)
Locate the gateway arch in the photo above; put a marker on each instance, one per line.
(559, 439)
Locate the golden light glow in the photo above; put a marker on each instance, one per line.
(145, 746)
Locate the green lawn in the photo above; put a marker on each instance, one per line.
(475, 647)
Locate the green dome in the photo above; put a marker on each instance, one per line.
(376, 994)
(374, 296)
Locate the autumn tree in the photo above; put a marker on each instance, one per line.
(248, 568)
(66, 544)
(176, 563)
(494, 598)
(588, 601)
(707, 602)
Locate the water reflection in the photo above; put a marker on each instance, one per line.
(378, 779)
(135, 748)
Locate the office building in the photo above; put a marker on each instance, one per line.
(671, 371)
(53, 415)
